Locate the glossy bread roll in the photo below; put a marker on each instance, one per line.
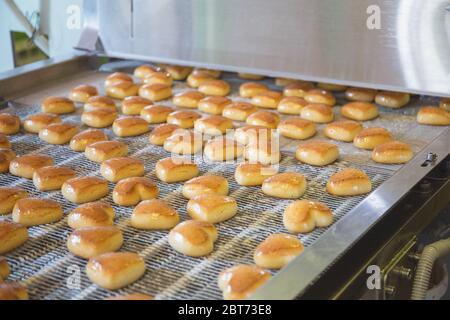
(52, 178)
(213, 105)
(196, 78)
(277, 250)
(130, 191)
(117, 77)
(172, 170)
(297, 128)
(317, 153)
(8, 198)
(33, 211)
(349, 182)
(253, 174)
(6, 155)
(252, 134)
(156, 114)
(250, 76)
(433, 116)
(331, 86)
(371, 137)
(264, 118)
(303, 216)
(82, 93)
(392, 99)
(154, 215)
(121, 90)
(319, 113)
(12, 236)
(183, 119)
(58, 133)
(213, 125)
(159, 77)
(287, 185)
(80, 141)
(104, 150)
(222, 149)
(145, 70)
(57, 105)
(100, 102)
(133, 105)
(212, 208)
(130, 126)
(131, 297)
(215, 88)
(116, 169)
(193, 238)
(155, 92)
(291, 105)
(360, 111)
(183, 142)
(188, 99)
(160, 133)
(203, 185)
(9, 124)
(4, 269)
(4, 141)
(84, 189)
(298, 89)
(344, 130)
(90, 242)
(26, 165)
(360, 94)
(92, 214)
(13, 291)
(239, 282)
(36, 122)
(392, 152)
(267, 99)
(320, 96)
(251, 89)
(264, 152)
(178, 72)
(239, 111)
(445, 104)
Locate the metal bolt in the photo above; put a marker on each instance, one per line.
(390, 290)
(405, 273)
(414, 256)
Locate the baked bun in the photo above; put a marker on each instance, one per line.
(6, 155)
(239, 111)
(241, 281)
(445, 104)
(319, 113)
(265, 152)
(13, 291)
(213, 125)
(251, 89)
(36, 122)
(155, 92)
(183, 119)
(298, 89)
(317, 153)
(154, 215)
(277, 250)
(291, 105)
(361, 111)
(115, 270)
(80, 141)
(253, 174)
(205, 185)
(131, 297)
(252, 134)
(349, 182)
(160, 133)
(344, 130)
(360, 94)
(178, 72)
(121, 90)
(303, 216)
(193, 238)
(117, 77)
(196, 78)
(92, 214)
(392, 99)
(183, 142)
(130, 126)
(84, 189)
(287, 185)
(8, 198)
(57, 105)
(297, 128)
(212, 208)
(4, 269)
(213, 105)
(134, 105)
(264, 118)
(145, 70)
(160, 78)
(9, 124)
(394, 152)
(371, 137)
(58, 133)
(172, 170)
(51, 178)
(100, 102)
(156, 114)
(12, 236)
(433, 116)
(250, 76)
(320, 96)
(82, 93)
(331, 86)
(116, 169)
(104, 150)
(4, 141)
(222, 149)
(267, 99)
(130, 191)
(33, 211)
(215, 88)
(188, 99)
(282, 82)
(26, 165)
(91, 242)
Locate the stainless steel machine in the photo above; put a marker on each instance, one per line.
(408, 49)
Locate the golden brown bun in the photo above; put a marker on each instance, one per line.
(303, 216)
(239, 282)
(344, 130)
(297, 128)
(193, 238)
(250, 76)
(132, 297)
(215, 88)
(58, 133)
(392, 99)
(213, 105)
(82, 93)
(213, 73)
(253, 174)
(12, 235)
(117, 77)
(222, 149)
(92, 214)
(115, 270)
(26, 165)
(100, 102)
(9, 124)
(91, 242)
(264, 118)
(8, 198)
(36, 122)
(134, 105)
(156, 114)
(252, 134)
(145, 70)
(33, 211)
(160, 78)
(184, 142)
(4, 141)
(320, 96)
(317, 153)
(130, 126)
(116, 169)
(4, 269)
(445, 104)
(6, 155)
(282, 82)
(196, 78)
(155, 92)
(433, 116)
(121, 90)
(154, 215)
(208, 184)
(81, 140)
(267, 99)
(360, 111)
(57, 105)
(104, 150)
(160, 133)
(349, 182)
(298, 89)
(277, 250)
(52, 178)
(360, 94)
(251, 89)
(371, 137)
(84, 189)
(265, 152)
(287, 185)
(212, 208)
(130, 191)
(394, 152)
(183, 119)
(178, 72)
(331, 86)
(239, 111)
(213, 125)
(188, 99)
(13, 291)
(172, 170)
(319, 113)
(291, 105)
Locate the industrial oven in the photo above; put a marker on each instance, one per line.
(407, 49)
